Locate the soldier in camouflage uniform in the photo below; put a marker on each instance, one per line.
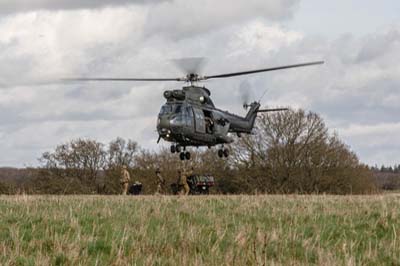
(160, 182)
(183, 181)
(125, 178)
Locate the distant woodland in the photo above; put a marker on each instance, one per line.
(289, 152)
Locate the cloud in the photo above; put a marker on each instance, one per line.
(181, 19)
(375, 143)
(16, 6)
(356, 88)
(375, 47)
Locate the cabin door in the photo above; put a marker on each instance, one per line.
(199, 120)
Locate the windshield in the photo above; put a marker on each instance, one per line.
(178, 109)
(166, 109)
(169, 109)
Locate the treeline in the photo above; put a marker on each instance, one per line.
(387, 177)
(387, 169)
(289, 152)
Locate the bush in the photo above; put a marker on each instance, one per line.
(6, 189)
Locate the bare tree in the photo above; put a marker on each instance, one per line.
(293, 152)
(121, 152)
(81, 158)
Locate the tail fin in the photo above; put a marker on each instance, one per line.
(255, 109)
(252, 114)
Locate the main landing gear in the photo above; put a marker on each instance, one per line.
(183, 154)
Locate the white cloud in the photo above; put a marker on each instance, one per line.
(359, 130)
(15, 6)
(257, 36)
(376, 144)
(180, 18)
(356, 88)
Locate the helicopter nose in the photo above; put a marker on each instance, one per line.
(163, 122)
(163, 126)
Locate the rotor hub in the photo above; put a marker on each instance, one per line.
(192, 77)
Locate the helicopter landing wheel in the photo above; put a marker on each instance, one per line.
(182, 156)
(178, 148)
(187, 155)
(220, 153)
(173, 149)
(226, 153)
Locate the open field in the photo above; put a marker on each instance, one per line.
(215, 230)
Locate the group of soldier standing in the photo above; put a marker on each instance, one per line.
(161, 183)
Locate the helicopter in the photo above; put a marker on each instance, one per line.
(189, 117)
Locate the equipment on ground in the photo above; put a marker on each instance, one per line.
(189, 116)
(198, 184)
(135, 188)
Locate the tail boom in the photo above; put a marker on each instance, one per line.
(246, 124)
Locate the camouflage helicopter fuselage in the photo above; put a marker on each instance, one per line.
(189, 118)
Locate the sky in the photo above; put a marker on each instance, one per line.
(356, 92)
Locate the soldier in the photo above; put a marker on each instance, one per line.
(125, 178)
(160, 182)
(183, 182)
(209, 124)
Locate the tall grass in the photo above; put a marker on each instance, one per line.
(213, 230)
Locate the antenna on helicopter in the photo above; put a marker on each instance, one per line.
(263, 95)
(246, 96)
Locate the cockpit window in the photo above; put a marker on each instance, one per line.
(189, 111)
(178, 109)
(166, 109)
(169, 109)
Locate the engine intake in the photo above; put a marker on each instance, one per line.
(175, 95)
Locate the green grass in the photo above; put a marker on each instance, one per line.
(215, 230)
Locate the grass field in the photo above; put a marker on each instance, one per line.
(215, 230)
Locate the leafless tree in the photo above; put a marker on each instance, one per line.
(81, 158)
(121, 152)
(293, 152)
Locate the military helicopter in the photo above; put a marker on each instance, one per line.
(190, 118)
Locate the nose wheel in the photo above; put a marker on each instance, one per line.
(184, 155)
(176, 148)
(223, 153)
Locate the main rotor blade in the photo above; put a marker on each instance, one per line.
(273, 110)
(123, 79)
(193, 76)
(261, 70)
